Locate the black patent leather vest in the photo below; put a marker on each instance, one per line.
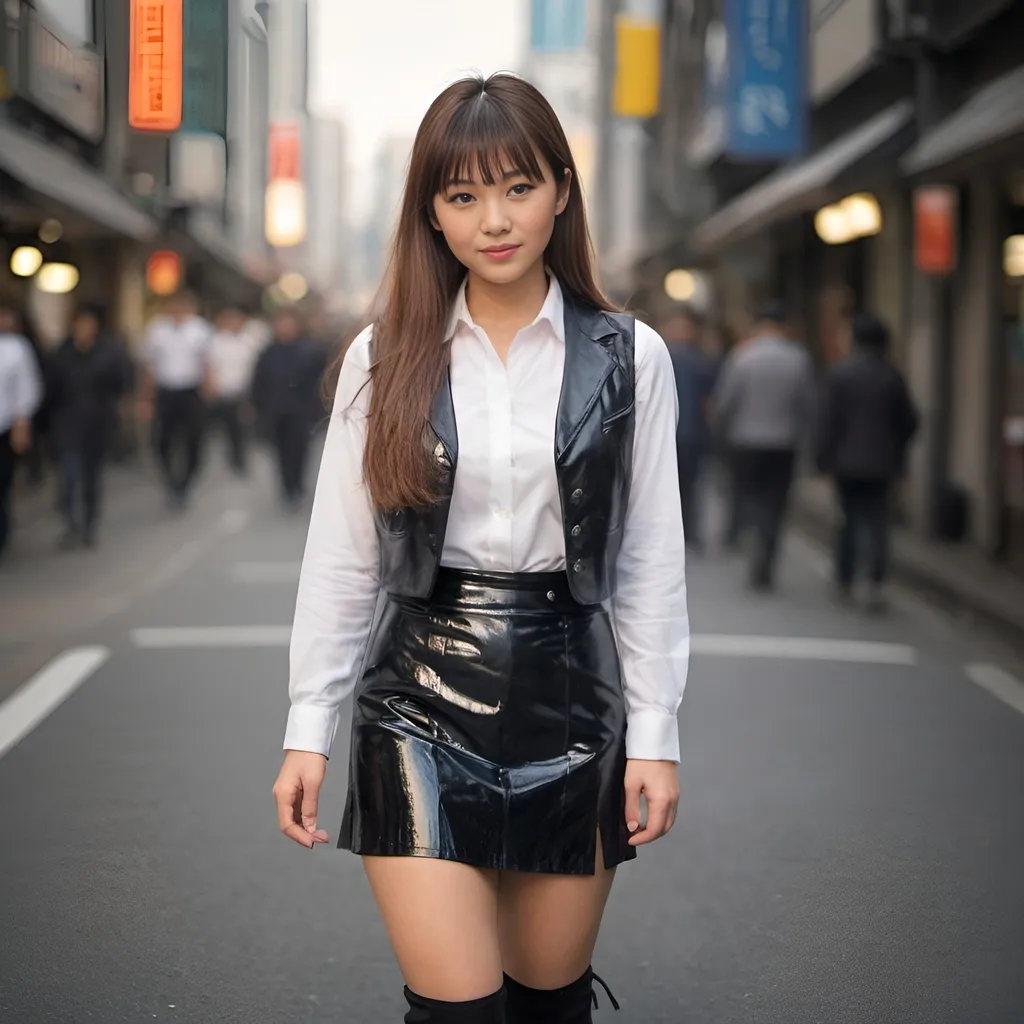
(593, 455)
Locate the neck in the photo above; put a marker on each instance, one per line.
(512, 305)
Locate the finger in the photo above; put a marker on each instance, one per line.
(673, 807)
(288, 802)
(657, 818)
(633, 806)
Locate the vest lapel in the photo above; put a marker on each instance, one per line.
(442, 422)
(588, 364)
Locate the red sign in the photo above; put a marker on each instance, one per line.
(163, 272)
(155, 69)
(285, 151)
(935, 214)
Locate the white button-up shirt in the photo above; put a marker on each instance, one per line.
(233, 357)
(176, 353)
(21, 389)
(505, 516)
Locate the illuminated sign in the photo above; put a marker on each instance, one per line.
(154, 91)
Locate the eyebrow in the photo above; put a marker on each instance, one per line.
(514, 173)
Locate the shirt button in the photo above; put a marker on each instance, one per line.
(577, 567)
(503, 513)
(577, 494)
(576, 531)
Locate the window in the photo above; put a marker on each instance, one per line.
(73, 17)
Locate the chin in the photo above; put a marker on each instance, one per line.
(503, 273)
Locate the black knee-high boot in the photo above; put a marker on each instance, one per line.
(489, 1010)
(572, 1004)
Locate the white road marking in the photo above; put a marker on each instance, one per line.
(798, 648)
(999, 683)
(160, 637)
(46, 691)
(265, 572)
(716, 645)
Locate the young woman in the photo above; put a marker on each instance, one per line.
(500, 467)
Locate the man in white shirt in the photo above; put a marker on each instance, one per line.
(176, 380)
(233, 353)
(21, 391)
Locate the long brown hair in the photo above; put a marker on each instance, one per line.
(476, 125)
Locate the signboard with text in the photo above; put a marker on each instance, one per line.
(766, 90)
(155, 69)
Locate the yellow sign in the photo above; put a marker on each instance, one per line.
(155, 71)
(637, 67)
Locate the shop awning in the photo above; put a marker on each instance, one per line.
(802, 186)
(992, 115)
(50, 171)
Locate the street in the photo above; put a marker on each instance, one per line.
(849, 847)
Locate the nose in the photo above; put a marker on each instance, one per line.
(495, 216)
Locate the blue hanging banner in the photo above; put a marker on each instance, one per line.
(766, 87)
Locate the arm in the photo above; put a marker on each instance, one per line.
(828, 424)
(725, 395)
(649, 607)
(340, 579)
(28, 396)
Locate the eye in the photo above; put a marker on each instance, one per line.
(522, 189)
(460, 198)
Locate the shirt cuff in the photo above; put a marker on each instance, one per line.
(652, 735)
(311, 728)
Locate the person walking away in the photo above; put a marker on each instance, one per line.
(695, 379)
(177, 375)
(866, 423)
(233, 355)
(764, 402)
(88, 378)
(499, 469)
(21, 393)
(285, 388)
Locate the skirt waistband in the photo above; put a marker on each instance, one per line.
(514, 591)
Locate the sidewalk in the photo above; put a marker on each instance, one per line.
(957, 576)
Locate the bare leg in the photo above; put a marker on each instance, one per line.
(441, 918)
(548, 924)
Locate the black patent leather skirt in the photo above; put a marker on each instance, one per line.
(489, 728)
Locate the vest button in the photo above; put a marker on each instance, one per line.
(551, 595)
(576, 531)
(577, 567)
(577, 494)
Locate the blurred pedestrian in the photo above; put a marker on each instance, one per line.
(21, 392)
(87, 379)
(695, 381)
(866, 423)
(764, 403)
(233, 355)
(285, 393)
(177, 376)
(500, 463)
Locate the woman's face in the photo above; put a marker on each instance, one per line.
(500, 231)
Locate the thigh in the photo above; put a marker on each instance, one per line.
(548, 924)
(441, 918)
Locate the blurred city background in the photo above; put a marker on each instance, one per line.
(852, 829)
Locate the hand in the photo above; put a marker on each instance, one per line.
(21, 436)
(659, 783)
(297, 792)
(144, 409)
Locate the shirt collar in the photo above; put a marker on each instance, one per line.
(552, 312)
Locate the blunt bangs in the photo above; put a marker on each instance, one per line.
(484, 138)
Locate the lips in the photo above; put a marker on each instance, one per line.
(499, 252)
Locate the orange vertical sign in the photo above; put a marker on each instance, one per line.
(935, 213)
(154, 87)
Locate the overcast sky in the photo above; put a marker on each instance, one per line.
(377, 64)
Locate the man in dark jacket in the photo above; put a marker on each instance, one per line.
(695, 380)
(88, 376)
(867, 422)
(284, 393)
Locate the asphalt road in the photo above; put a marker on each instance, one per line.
(850, 846)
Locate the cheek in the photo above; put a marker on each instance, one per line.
(538, 221)
(458, 228)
